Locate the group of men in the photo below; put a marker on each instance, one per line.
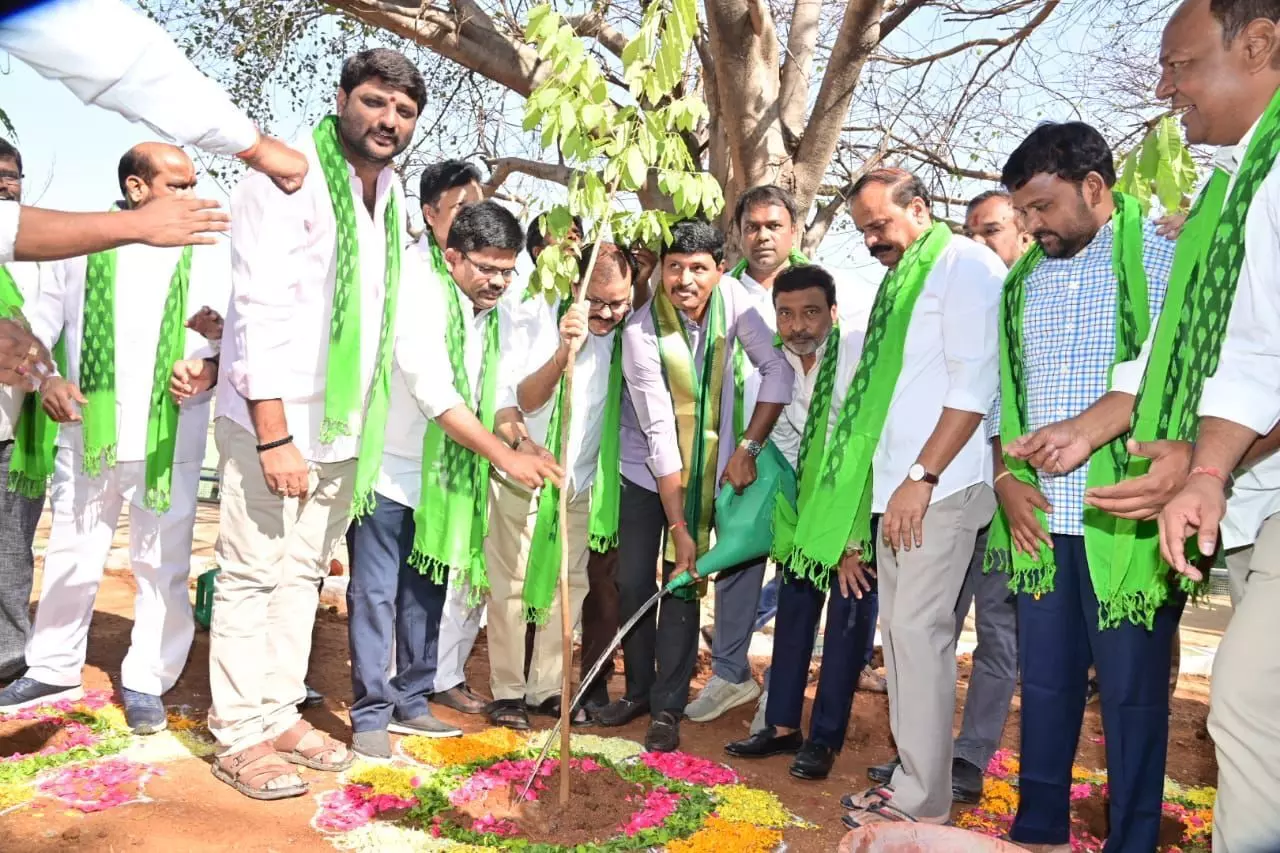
(1037, 418)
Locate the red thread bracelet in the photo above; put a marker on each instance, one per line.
(1212, 472)
(679, 524)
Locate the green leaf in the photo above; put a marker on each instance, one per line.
(636, 168)
(592, 116)
(8, 125)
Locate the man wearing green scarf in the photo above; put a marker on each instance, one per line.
(305, 365)
(524, 544)
(1075, 306)
(124, 441)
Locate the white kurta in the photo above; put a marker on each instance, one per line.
(27, 278)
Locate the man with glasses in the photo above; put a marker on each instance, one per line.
(522, 550)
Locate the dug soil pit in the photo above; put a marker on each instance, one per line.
(23, 737)
(600, 804)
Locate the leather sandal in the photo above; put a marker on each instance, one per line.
(250, 770)
(287, 746)
(508, 713)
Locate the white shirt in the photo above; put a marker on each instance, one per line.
(537, 337)
(283, 258)
(796, 413)
(9, 213)
(27, 278)
(143, 274)
(951, 360)
(114, 57)
(421, 380)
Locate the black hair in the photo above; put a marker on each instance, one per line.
(135, 163)
(622, 257)
(984, 197)
(8, 152)
(1235, 15)
(535, 240)
(485, 225)
(905, 186)
(438, 178)
(691, 236)
(765, 194)
(389, 66)
(803, 277)
(1069, 150)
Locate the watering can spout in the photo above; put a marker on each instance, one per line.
(744, 522)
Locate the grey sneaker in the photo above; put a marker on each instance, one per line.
(28, 693)
(757, 722)
(375, 744)
(424, 725)
(718, 697)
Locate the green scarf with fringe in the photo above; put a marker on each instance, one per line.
(98, 375)
(740, 368)
(1129, 593)
(838, 513)
(35, 434)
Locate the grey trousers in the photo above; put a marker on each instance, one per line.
(18, 519)
(918, 594)
(995, 660)
(737, 598)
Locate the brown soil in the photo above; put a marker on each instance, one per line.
(192, 811)
(22, 737)
(584, 820)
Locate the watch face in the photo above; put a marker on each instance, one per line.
(916, 472)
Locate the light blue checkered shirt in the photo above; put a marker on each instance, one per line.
(1069, 344)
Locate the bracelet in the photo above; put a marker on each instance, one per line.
(1212, 472)
(678, 525)
(519, 441)
(1005, 473)
(272, 445)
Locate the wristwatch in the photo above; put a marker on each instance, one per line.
(917, 474)
(753, 448)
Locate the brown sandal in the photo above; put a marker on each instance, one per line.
(286, 746)
(250, 770)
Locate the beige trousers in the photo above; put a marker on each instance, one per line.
(273, 553)
(1245, 694)
(918, 594)
(511, 521)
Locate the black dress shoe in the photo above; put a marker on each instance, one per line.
(664, 732)
(550, 707)
(765, 743)
(313, 698)
(882, 773)
(813, 761)
(966, 782)
(621, 712)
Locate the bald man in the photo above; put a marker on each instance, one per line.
(134, 375)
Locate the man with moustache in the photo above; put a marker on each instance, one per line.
(905, 464)
(524, 547)
(1077, 305)
(823, 356)
(678, 367)
(424, 515)
(311, 276)
(121, 317)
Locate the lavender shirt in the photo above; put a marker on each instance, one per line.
(649, 447)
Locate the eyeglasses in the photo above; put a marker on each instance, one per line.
(614, 307)
(10, 177)
(491, 272)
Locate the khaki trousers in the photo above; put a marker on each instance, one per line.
(273, 553)
(512, 516)
(918, 594)
(1244, 696)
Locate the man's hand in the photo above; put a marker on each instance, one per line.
(191, 376)
(530, 469)
(285, 471)
(902, 525)
(686, 552)
(646, 262)
(207, 323)
(23, 359)
(1055, 449)
(174, 220)
(532, 448)
(854, 575)
(573, 332)
(1171, 226)
(1198, 507)
(1019, 502)
(741, 470)
(62, 400)
(1143, 497)
(285, 166)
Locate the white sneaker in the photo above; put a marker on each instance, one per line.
(757, 722)
(720, 696)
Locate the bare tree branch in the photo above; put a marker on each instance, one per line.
(593, 25)
(802, 40)
(501, 168)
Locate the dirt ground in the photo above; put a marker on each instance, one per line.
(192, 811)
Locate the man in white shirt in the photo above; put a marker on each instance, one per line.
(89, 489)
(19, 511)
(286, 487)
(390, 600)
(806, 311)
(931, 477)
(545, 338)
